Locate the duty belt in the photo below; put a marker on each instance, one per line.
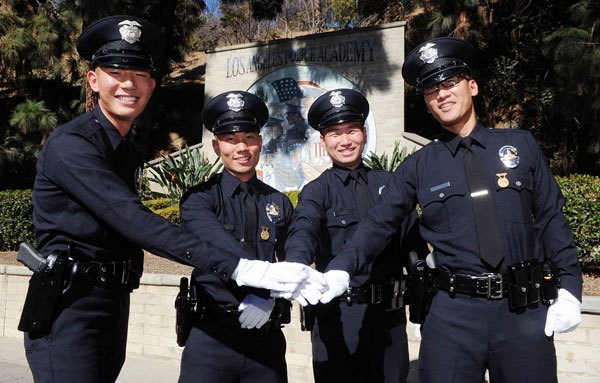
(111, 273)
(488, 285)
(390, 294)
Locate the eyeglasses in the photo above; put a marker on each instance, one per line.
(446, 84)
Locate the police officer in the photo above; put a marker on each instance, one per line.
(237, 336)
(86, 210)
(360, 337)
(491, 208)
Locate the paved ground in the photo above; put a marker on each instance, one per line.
(14, 369)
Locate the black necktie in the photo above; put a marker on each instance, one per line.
(488, 235)
(361, 194)
(250, 217)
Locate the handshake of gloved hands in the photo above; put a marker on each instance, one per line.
(287, 280)
(291, 280)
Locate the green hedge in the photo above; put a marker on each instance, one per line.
(16, 221)
(582, 209)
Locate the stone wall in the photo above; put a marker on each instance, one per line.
(152, 329)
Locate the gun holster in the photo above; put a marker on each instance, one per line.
(185, 307)
(43, 294)
(307, 317)
(419, 288)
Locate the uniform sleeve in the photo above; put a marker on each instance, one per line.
(551, 226)
(198, 212)
(76, 165)
(304, 238)
(390, 216)
(280, 247)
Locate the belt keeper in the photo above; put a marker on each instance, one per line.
(349, 296)
(452, 284)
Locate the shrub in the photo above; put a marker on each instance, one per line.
(381, 162)
(582, 210)
(16, 221)
(175, 176)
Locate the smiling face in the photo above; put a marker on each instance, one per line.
(239, 152)
(453, 107)
(123, 93)
(345, 143)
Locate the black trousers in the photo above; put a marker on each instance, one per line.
(359, 343)
(221, 353)
(87, 340)
(463, 336)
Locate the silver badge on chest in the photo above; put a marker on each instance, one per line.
(130, 31)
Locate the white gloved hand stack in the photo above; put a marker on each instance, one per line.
(564, 314)
(337, 283)
(255, 311)
(283, 277)
(311, 289)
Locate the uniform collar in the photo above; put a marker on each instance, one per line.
(452, 141)
(112, 133)
(344, 173)
(231, 183)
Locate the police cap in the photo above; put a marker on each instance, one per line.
(234, 111)
(122, 41)
(436, 60)
(337, 107)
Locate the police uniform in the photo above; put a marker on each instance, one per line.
(467, 332)
(360, 337)
(85, 206)
(218, 349)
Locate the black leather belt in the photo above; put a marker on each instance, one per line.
(111, 273)
(390, 294)
(489, 285)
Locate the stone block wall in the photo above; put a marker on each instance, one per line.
(152, 329)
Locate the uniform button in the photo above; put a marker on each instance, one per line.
(441, 195)
(188, 255)
(343, 222)
(518, 183)
(224, 274)
(214, 269)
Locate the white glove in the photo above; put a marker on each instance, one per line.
(280, 276)
(417, 330)
(337, 283)
(564, 314)
(255, 311)
(309, 291)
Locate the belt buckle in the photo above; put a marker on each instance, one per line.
(494, 286)
(375, 294)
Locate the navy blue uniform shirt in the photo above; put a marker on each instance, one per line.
(84, 196)
(529, 209)
(327, 217)
(214, 211)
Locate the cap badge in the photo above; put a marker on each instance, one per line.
(509, 156)
(337, 100)
(235, 102)
(130, 31)
(428, 53)
(273, 212)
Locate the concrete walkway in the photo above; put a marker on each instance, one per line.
(14, 368)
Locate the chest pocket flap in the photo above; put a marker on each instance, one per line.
(341, 218)
(440, 193)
